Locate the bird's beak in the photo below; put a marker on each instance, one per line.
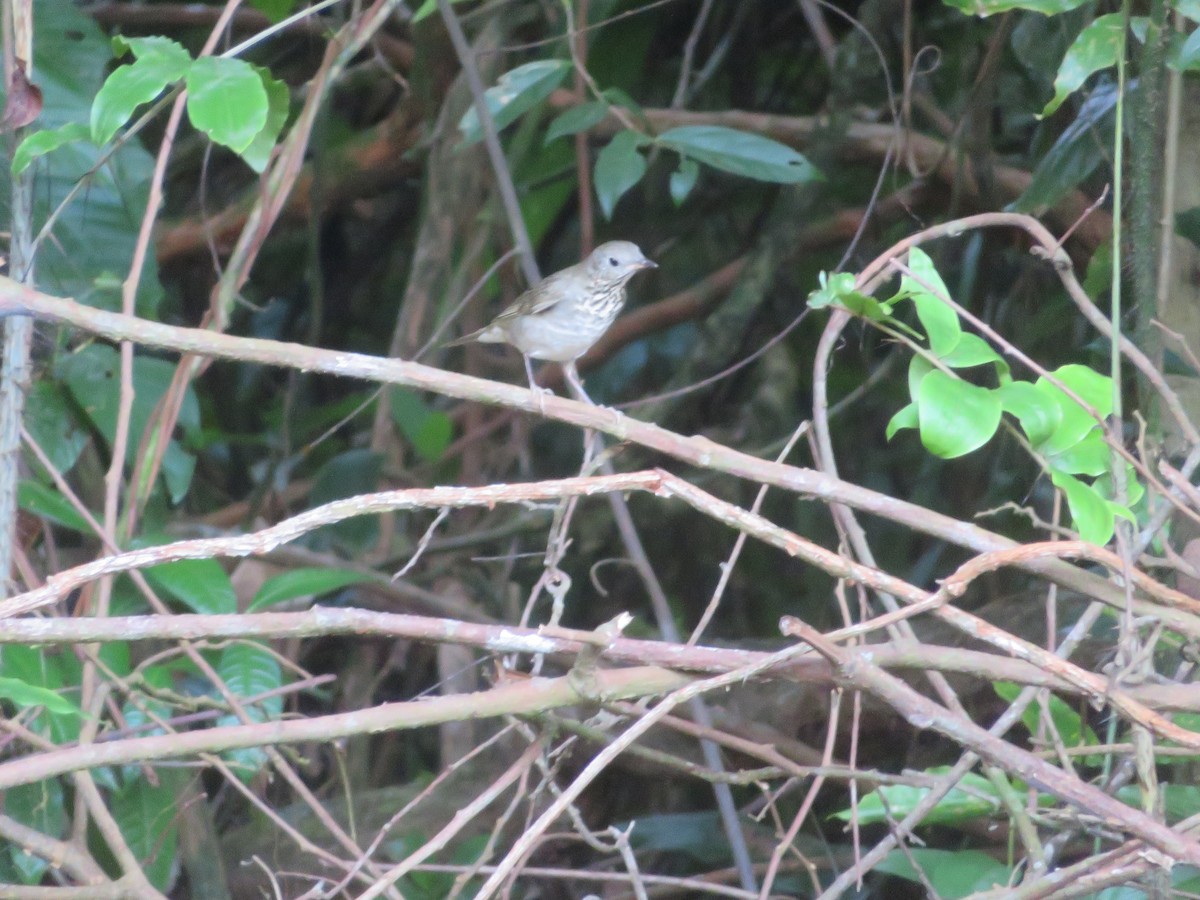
(647, 264)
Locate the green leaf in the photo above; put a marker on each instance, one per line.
(1096, 48)
(44, 668)
(1091, 514)
(46, 502)
(1187, 223)
(53, 424)
(973, 798)
(353, 472)
(1071, 728)
(227, 100)
(93, 378)
(1090, 456)
(740, 152)
(953, 874)
(833, 287)
(515, 93)
(993, 7)
(955, 417)
(279, 100)
(1188, 56)
(303, 583)
(26, 695)
(1092, 388)
(619, 166)
(972, 350)
(275, 10)
(1189, 9)
(429, 431)
(199, 584)
(39, 143)
(1079, 151)
(39, 806)
(1039, 414)
(683, 180)
(249, 669)
(98, 229)
(159, 62)
(148, 816)
(905, 418)
(576, 119)
(927, 289)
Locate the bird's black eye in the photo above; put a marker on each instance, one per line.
(612, 261)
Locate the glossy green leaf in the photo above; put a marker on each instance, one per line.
(26, 695)
(576, 119)
(279, 100)
(927, 290)
(955, 417)
(953, 874)
(39, 143)
(975, 797)
(515, 93)
(1092, 388)
(45, 669)
(1091, 514)
(303, 583)
(619, 166)
(200, 584)
(972, 350)
(1096, 48)
(740, 152)
(44, 501)
(158, 62)
(227, 100)
(905, 418)
(1039, 413)
(683, 180)
(994, 7)
(1090, 456)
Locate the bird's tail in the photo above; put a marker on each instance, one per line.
(465, 339)
(489, 334)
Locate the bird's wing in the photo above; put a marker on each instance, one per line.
(540, 298)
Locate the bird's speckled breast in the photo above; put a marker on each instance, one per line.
(563, 333)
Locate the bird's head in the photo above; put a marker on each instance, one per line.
(616, 261)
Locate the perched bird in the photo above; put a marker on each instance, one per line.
(560, 317)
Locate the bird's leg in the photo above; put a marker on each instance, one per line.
(540, 391)
(572, 376)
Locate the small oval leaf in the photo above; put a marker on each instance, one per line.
(740, 152)
(619, 166)
(227, 101)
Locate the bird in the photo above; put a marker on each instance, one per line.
(564, 314)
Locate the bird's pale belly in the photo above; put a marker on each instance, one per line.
(557, 338)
